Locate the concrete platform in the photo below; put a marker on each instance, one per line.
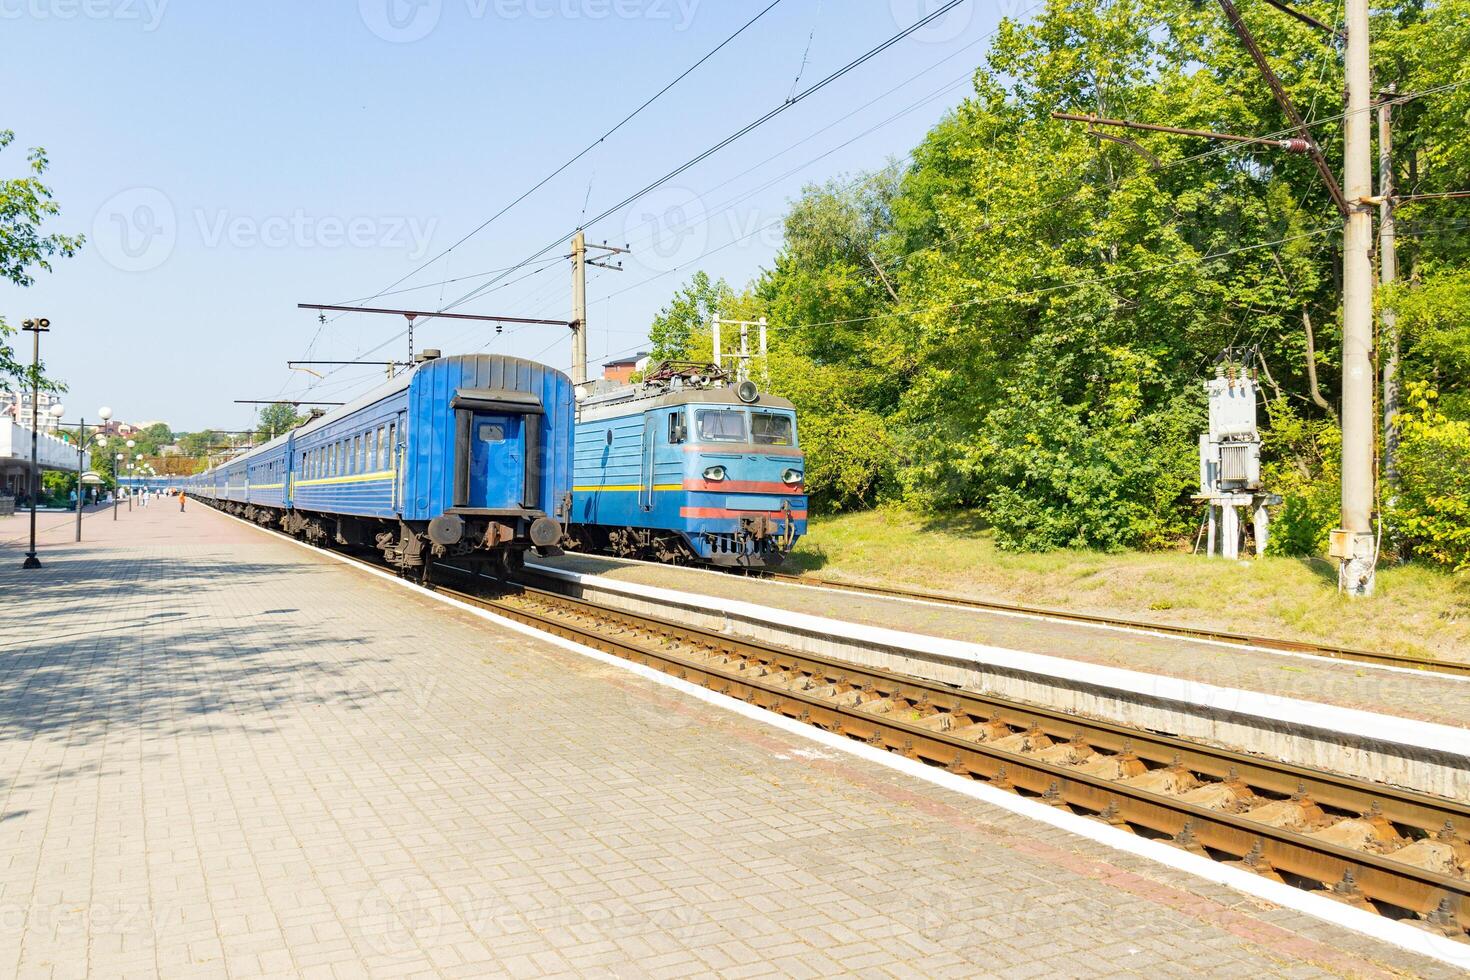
(1408, 694)
(224, 754)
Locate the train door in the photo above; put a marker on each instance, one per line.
(497, 461)
(397, 438)
(650, 440)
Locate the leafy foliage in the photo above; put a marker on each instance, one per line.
(25, 205)
(1431, 506)
(1020, 319)
(276, 420)
(688, 314)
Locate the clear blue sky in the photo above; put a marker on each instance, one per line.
(227, 161)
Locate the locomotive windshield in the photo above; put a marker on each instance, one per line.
(721, 425)
(770, 430)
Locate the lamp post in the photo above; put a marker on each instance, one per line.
(105, 413)
(117, 466)
(37, 327)
(129, 457)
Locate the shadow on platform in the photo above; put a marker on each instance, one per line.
(149, 649)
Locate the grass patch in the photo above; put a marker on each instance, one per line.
(1417, 611)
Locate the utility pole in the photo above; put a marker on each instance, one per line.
(1388, 270)
(580, 262)
(579, 312)
(1353, 543)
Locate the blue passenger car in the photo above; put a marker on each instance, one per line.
(467, 456)
(680, 470)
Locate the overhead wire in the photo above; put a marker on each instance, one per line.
(773, 113)
(743, 131)
(589, 147)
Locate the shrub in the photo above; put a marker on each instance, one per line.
(1430, 507)
(1302, 464)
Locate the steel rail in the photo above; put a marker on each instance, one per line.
(919, 708)
(1449, 667)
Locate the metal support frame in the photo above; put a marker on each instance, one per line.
(743, 369)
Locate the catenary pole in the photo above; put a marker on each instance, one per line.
(1353, 542)
(1388, 270)
(579, 312)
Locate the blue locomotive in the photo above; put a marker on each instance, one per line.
(466, 457)
(684, 469)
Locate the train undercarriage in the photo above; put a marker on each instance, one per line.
(752, 546)
(494, 546)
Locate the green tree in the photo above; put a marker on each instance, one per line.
(277, 419)
(25, 205)
(1021, 318)
(688, 314)
(197, 444)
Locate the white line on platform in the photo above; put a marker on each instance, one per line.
(1060, 618)
(1404, 936)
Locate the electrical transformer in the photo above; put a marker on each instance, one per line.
(1230, 464)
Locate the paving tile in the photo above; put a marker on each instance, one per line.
(226, 755)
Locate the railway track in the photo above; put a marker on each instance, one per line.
(1449, 667)
(1400, 853)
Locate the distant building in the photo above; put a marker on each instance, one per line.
(172, 449)
(622, 370)
(122, 430)
(17, 408)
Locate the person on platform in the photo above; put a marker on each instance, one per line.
(181, 501)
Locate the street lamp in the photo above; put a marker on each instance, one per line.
(105, 413)
(37, 327)
(130, 444)
(117, 466)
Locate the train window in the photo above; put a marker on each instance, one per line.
(770, 430)
(676, 428)
(392, 445)
(370, 450)
(491, 432)
(356, 465)
(382, 463)
(721, 425)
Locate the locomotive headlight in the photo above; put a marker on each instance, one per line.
(714, 473)
(792, 477)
